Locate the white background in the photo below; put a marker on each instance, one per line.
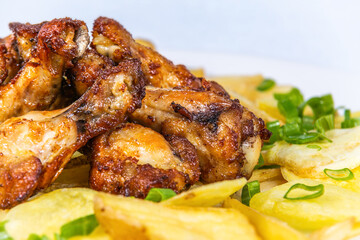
(314, 44)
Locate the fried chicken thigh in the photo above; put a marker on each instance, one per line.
(227, 136)
(132, 159)
(38, 83)
(35, 147)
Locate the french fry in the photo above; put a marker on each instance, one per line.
(127, 218)
(207, 195)
(338, 231)
(269, 228)
(46, 213)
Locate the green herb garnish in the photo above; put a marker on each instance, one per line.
(348, 121)
(82, 226)
(159, 194)
(317, 190)
(313, 146)
(340, 174)
(248, 191)
(3, 233)
(265, 85)
(260, 162)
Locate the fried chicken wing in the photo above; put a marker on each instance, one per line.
(38, 83)
(111, 39)
(10, 60)
(132, 159)
(227, 137)
(35, 147)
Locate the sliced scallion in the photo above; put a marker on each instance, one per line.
(248, 191)
(288, 103)
(159, 194)
(348, 121)
(79, 227)
(3, 233)
(273, 127)
(340, 174)
(306, 137)
(313, 146)
(325, 123)
(320, 106)
(265, 85)
(34, 236)
(311, 192)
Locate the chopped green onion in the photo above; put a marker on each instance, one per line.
(82, 226)
(348, 121)
(340, 174)
(313, 146)
(325, 123)
(317, 189)
(307, 123)
(274, 128)
(159, 194)
(320, 106)
(306, 137)
(34, 236)
(3, 233)
(260, 162)
(267, 84)
(288, 103)
(248, 191)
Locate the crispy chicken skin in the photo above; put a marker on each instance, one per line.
(227, 136)
(37, 85)
(10, 61)
(35, 147)
(132, 159)
(111, 39)
(87, 69)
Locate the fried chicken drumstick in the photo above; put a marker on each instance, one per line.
(35, 147)
(132, 159)
(37, 85)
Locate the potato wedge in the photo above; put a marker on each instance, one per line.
(335, 205)
(207, 195)
(46, 213)
(343, 152)
(338, 231)
(127, 218)
(269, 228)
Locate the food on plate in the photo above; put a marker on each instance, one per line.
(131, 159)
(205, 163)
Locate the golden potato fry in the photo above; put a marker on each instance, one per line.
(269, 228)
(46, 213)
(343, 152)
(335, 205)
(146, 43)
(207, 195)
(263, 175)
(338, 231)
(127, 218)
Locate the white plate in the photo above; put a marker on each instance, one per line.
(312, 81)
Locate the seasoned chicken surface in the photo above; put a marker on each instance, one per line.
(132, 159)
(38, 83)
(111, 39)
(35, 147)
(227, 137)
(10, 61)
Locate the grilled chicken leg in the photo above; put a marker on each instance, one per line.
(132, 159)
(111, 39)
(35, 147)
(38, 83)
(227, 137)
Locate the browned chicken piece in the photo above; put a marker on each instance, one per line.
(111, 39)
(87, 69)
(38, 83)
(10, 61)
(228, 137)
(35, 147)
(132, 159)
